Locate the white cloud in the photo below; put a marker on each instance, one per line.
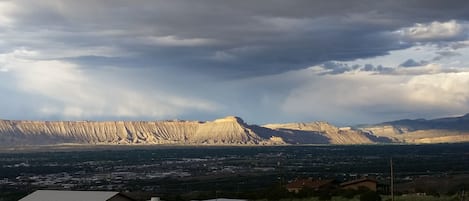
(440, 90)
(434, 31)
(5, 9)
(57, 50)
(98, 51)
(172, 40)
(364, 96)
(432, 58)
(431, 68)
(17, 57)
(76, 93)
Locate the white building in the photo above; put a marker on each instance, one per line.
(53, 195)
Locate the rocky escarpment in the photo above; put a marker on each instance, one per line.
(226, 131)
(89, 132)
(443, 130)
(323, 132)
(229, 131)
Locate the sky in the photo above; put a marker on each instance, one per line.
(345, 62)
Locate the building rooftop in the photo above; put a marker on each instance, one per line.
(54, 195)
(357, 181)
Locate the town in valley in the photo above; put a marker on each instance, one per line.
(272, 172)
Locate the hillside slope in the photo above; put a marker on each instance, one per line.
(225, 131)
(324, 132)
(229, 131)
(442, 130)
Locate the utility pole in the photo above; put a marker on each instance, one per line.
(463, 195)
(216, 191)
(392, 181)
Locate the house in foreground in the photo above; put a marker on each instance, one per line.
(55, 195)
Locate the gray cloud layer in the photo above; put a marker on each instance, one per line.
(210, 58)
(229, 39)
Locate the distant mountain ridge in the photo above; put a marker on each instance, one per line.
(441, 130)
(230, 130)
(225, 131)
(453, 123)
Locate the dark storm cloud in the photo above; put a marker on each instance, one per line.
(413, 63)
(229, 38)
(378, 69)
(445, 54)
(335, 68)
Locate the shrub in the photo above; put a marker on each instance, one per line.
(370, 196)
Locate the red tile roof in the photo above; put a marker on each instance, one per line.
(357, 181)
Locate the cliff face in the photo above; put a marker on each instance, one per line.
(85, 132)
(229, 131)
(327, 133)
(226, 131)
(443, 130)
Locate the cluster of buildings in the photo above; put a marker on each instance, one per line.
(99, 180)
(294, 186)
